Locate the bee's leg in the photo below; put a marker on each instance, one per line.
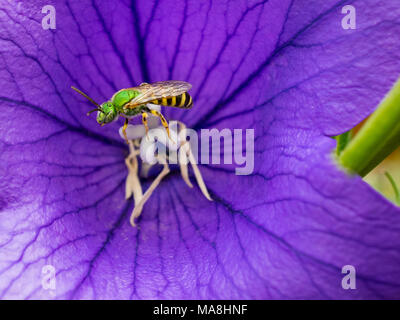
(124, 130)
(163, 121)
(144, 121)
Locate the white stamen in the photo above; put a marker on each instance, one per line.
(144, 170)
(132, 185)
(139, 207)
(157, 140)
(198, 176)
(148, 150)
(183, 163)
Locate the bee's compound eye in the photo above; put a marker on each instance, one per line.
(100, 117)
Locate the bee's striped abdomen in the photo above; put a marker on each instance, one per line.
(184, 100)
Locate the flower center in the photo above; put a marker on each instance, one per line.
(153, 151)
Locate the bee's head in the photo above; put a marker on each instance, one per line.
(106, 113)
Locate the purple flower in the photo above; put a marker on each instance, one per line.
(285, 68)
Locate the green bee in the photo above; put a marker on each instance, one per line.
(131, 102)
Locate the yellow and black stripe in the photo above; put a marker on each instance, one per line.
(184, 101)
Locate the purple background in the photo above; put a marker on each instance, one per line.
(285, 68)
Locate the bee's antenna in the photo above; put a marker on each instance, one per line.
(87, 97)
(97, 109)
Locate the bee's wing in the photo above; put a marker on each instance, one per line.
(159, 90)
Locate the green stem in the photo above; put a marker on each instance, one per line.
(378, 138)
(342, 141)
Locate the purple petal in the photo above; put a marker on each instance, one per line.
(287, 69)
